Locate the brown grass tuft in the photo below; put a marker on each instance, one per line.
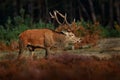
(63, 67)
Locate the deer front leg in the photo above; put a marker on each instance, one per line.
(31, 49)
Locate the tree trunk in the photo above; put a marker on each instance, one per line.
(47, 13)
(80, 13)
(15, 8)
(72, 10)
(103, 13)
(31, 9)
(111, 21)
(117, 6)
(39, 10)
(92, 11)
(79, 10)
(83, 9)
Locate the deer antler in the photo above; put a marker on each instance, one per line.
(63, 16)
(56, 18)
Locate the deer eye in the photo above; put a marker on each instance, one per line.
(71, 35)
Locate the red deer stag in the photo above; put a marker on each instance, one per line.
(45, 39)
(66, 26)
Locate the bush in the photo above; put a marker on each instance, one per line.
(105, 32)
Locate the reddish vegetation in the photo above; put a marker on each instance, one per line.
(88, 35)
(62, 67)
(3, 46)
(11, 47)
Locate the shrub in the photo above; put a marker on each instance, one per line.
(105, 32)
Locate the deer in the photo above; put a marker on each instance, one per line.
(44, 39)
(70, 27)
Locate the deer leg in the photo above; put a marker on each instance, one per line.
(32, 54)
(20, 53)
(47, 53)
(20, 49)
(31, 49)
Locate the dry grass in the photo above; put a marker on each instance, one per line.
(60, 67)
(84, 64)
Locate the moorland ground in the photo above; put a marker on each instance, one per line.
(99, 63)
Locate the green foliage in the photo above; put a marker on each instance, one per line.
(2, 32)
(109, 32)
(13, 27)
(104, 30)
(41, 24)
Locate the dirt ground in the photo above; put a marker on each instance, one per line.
(104, 49)
(99, 63)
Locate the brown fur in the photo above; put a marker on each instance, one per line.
(42, 38)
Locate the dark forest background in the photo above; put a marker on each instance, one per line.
(107, 12)
(19, 15)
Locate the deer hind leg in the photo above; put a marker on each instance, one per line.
(31, 49)
(47, 53)
(21, 49)
(20, 53)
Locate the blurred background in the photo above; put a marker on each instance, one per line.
(19, 15)
(107, 12)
